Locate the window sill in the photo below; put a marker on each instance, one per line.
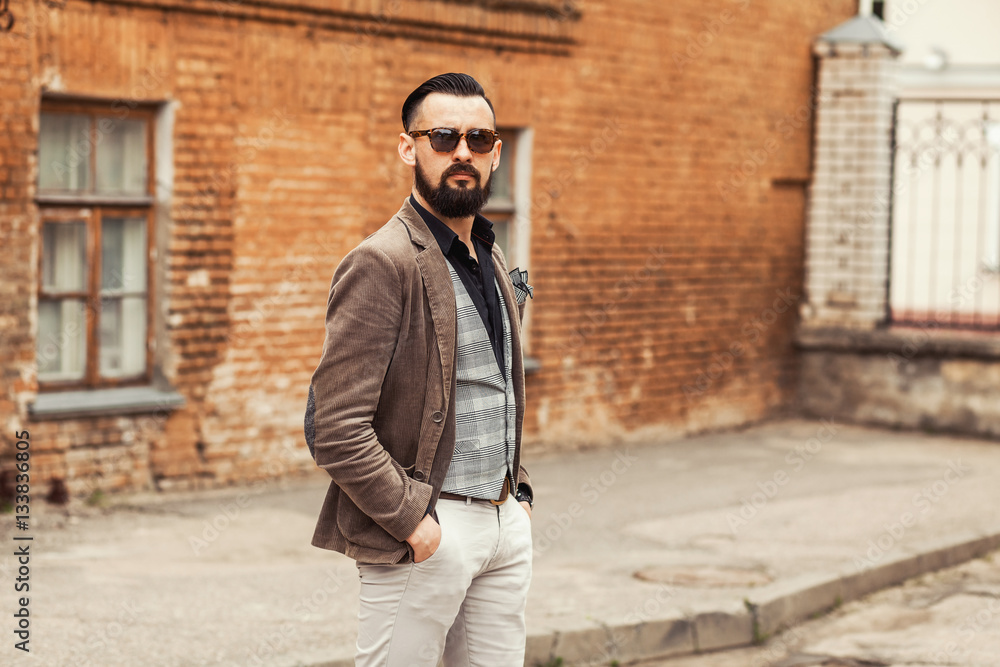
(905, 341)
(88, 199)
(95, 402)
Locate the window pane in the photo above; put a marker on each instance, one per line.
(123, 254)
(64, 256)
(121, 156)
(64, 145)
(502, 194)
(501, 227)
(123, 337)
(61, 340)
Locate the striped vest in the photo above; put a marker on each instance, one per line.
(485, 413)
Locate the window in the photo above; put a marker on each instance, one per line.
(508, 207)
(944, 265)
(96, 207)
(500, 208)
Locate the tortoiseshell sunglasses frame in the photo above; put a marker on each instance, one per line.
(427, 133)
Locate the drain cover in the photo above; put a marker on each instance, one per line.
(704, 576)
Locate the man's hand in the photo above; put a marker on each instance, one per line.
(425, 540)
(527, 507)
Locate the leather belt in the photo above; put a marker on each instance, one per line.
(500, 501)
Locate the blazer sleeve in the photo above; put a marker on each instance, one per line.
(363, 320)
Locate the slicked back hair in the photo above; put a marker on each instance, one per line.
(460, 85)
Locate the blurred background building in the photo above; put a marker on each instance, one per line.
(903, 268)
(178, 181)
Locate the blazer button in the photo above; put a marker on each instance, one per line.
(437, 417)
(418, 475)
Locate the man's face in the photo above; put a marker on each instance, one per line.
(455, 184)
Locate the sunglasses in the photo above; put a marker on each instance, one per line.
(445, 140)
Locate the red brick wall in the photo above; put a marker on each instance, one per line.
(18, 233)
(651, 253)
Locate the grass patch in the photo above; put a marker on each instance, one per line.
(97, 498)
(758, 636)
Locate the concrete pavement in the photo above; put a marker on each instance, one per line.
(950, 617)
(641, 550)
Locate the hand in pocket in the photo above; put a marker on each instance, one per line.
(425, 540)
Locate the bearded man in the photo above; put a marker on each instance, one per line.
(416, 406)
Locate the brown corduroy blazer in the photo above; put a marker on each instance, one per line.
(385, 389)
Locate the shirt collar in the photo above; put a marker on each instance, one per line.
(482, 229)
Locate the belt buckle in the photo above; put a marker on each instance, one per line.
(503, 493)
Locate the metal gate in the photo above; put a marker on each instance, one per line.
(945, 225)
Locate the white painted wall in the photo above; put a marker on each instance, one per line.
(966, 30)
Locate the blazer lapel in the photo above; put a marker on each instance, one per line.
(439, 290)
(514, 315)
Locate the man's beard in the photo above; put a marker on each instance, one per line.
(454, 202)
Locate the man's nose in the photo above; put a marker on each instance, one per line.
(462, 152)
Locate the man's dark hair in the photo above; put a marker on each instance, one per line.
(460, 85)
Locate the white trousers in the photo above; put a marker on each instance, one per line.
(464, 604)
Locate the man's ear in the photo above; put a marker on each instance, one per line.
(407, 149)
(496, 156)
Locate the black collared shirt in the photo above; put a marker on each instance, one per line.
(477, 277)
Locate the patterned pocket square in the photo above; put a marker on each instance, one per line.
(521, 287)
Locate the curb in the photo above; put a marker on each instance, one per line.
(744, 624)
(749, 624)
